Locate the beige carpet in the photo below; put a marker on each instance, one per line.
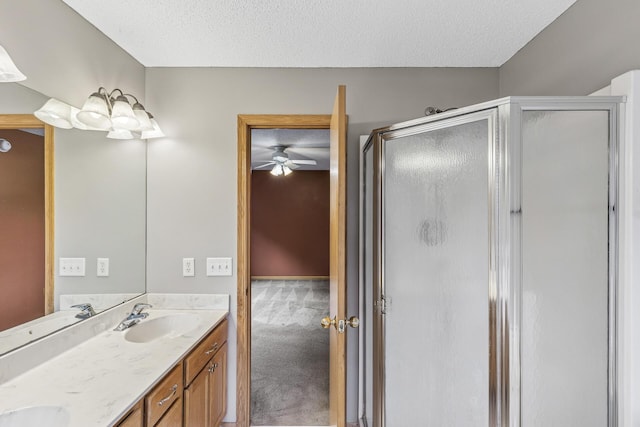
(289, 353)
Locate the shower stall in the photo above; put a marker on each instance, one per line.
(489, 266)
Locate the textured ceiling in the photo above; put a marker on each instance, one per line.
(321, 33)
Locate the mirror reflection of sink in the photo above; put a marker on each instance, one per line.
(168, 325)
(50, 416)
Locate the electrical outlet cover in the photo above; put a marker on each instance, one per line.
(102, 267)
(188, 267)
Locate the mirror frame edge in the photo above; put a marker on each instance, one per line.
(29, 121)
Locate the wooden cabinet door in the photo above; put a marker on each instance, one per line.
(134, 418)
(173, 417)
(218, 383)
(196, 398)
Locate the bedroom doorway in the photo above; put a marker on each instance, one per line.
(336, 124)
(289, 277)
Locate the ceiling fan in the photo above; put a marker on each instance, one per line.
(282, 164)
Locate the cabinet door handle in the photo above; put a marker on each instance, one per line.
(174, 389)
(214, 348)
(213, 367)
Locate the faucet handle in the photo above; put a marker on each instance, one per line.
(137, 309)
(86, 310)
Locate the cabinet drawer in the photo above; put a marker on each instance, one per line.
(163, 395)
(199, 357)
(173, 417)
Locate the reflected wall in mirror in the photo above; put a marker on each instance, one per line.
(99, 200)
(26, 219)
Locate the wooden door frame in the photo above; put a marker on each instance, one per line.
(247, 122)
(29, 121)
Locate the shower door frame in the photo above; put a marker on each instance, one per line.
(505, 251)
(497, 374)
(511, 122)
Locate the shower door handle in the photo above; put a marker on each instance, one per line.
(340, 325)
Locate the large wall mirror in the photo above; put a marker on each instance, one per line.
(64, 194)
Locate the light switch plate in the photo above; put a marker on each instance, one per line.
(71, 267)
(102, 267)
(219, 267)
(188, 267)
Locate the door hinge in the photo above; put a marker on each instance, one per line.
(383, 305)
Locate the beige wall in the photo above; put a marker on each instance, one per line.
(579, 53)
(192, 172)
(63, 55)
(100, 184)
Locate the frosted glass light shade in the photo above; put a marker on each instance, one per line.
(55, 113)
(8, 70)
(142, 116)
(95, 112)
(77, 123)
(122, 116)
(155, 133)
(280, 169)
(120, 134)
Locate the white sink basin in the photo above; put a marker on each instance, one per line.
(170, 325)
(50, 416)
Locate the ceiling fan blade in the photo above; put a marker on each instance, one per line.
(305, 162)
(264, 165)
(291, 165)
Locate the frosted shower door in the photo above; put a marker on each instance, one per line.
(436, 276)
(565, 269)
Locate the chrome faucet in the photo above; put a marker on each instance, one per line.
(86, 311)
(134, 317)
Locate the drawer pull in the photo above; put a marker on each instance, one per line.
(214, 348)
(174, 389)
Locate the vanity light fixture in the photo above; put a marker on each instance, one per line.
(8, 70)
(105, 111)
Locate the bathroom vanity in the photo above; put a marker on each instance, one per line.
(168, 370)
(193, 393)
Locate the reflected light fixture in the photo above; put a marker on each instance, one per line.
(105, 111)
(280, 169)
(4, 145)
(8, 70)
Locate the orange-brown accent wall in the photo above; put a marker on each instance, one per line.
(22, 232)
(290, 224)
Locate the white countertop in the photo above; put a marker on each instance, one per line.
(100, 379)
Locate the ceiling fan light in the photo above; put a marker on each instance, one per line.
(8, 70)
(95, 112)
(122, 115)
(280, 170)
(55, 113)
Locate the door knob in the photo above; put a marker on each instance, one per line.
(326, 322)
(353, 321)
(340, 325)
